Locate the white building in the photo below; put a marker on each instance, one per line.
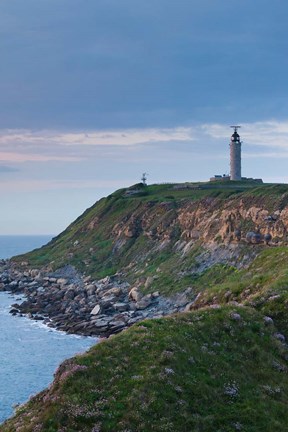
(235, 155)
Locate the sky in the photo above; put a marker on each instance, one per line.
(94, 93)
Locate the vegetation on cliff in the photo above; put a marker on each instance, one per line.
(208, 370)
(222, 366)
(139, 229)
(263, 285)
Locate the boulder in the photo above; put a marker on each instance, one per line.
(91, 289)
(14, 311)
(62, 281)
(134, 294)
(113, 292)
(180, 300)
(117, 326)
(189, 307)
(52, 279)
(95, 310)
(70, 294)
(149, 281)
(87, 279)
(268, 320)
(235, 316)
(144, 302)
(121, 307)
(38, 318)
(34, 273)
(105, 281)
(101, 323)
(279, 336)
(267, 238)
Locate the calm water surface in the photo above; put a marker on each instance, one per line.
(15, 245)
(29, 351)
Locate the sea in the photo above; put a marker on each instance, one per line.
(30, 352)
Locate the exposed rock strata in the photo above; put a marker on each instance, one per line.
(205, 220)
(225, 231)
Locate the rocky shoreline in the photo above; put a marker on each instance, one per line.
(68, 301)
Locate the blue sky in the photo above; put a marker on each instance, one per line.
(93, 93)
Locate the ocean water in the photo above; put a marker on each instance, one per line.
(30, 352)
(15, 245)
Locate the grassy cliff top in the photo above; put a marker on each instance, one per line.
(89, 242)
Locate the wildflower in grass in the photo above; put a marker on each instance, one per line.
(271, 390)
(231, 389)
(178, 389)
(237, 426)
(169, 371)
(137, 377)
(71, 370)
(167, 354)
(96, 428)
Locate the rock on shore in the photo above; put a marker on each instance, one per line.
(71, 302)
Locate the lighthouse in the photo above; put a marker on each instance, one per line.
(235, 155)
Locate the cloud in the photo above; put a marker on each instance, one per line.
(133, 63)
(202, 141)
(22, 157)
(122, 137)
(267, 155)
(7, 169)
(56, 185)
(19, 146)
(272, 134)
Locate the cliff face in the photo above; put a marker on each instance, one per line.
(158, 251)
(127, 232)
(207, 220)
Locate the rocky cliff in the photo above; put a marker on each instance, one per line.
(121, 229)
(148, 252)
(214, 258)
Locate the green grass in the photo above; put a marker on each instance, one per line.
(96, 229)
(94, 246)
(201, 371)
(91, 242)
(263, 285)
(179, 373)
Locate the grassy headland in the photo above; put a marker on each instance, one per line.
(210, 370)
(222, 366)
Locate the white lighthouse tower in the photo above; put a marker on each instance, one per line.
(235, 155)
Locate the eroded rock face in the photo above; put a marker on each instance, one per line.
(230, 223)
(80, 304)
(205, 220)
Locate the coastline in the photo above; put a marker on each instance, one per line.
(25, 370)
(68, 301)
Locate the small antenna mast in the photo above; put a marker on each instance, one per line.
(235, 128)
(144, 178)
